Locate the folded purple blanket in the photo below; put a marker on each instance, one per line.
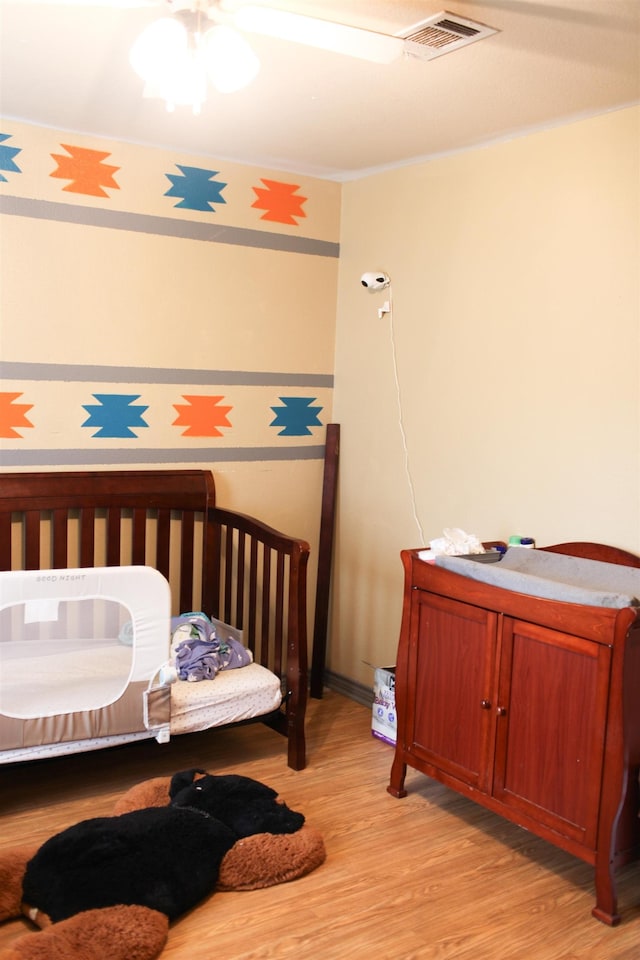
(201, 655)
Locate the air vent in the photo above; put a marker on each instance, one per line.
(441, 34)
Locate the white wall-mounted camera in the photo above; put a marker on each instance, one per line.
(375, 280)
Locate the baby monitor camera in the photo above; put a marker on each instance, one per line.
(375, 280)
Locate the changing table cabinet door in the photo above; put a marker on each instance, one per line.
(552, 709)
(452, 656)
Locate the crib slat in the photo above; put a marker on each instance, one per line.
(238, 574)
(163, 542)
(114, 536)
(210, 568)
(213, 570)
(5, 541)
(32, 539)
(279, 614)
(87, 537)
(60, 538)
(253, 593)
(186, 562)
(228, 577)
(139, 536)
(266, 606)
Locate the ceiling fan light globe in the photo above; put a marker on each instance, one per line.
(229, 60)
(171, 62)
(163, 42)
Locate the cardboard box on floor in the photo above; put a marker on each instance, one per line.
(383, 720)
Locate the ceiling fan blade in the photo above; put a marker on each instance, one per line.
(335, 37)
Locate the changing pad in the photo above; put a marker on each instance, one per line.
(555, 576)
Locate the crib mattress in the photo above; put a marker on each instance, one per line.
(43, 686)
(233, 695)
(243, 694)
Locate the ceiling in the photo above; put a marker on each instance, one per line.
(65, 65)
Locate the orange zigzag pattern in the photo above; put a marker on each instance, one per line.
(279, 202)
(13, 415)
(86, 171)
(201, 416)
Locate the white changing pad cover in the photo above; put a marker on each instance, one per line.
(233, 695)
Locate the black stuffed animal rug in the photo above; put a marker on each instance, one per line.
(164, 858)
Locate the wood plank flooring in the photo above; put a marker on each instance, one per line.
(429, 877)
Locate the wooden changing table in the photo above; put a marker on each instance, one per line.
(528, 706)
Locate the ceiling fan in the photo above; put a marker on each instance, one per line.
(204, 40)
(198, 41)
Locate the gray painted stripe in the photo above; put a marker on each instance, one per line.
(33, 458)
(165, 226)
(72, 373)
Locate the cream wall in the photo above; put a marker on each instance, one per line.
(515, 326)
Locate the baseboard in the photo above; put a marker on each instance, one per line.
(359, 692)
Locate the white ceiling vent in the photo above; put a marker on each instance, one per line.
(441, 34)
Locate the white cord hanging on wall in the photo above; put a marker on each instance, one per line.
(376, 281)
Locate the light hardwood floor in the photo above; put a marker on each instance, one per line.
(432, 876)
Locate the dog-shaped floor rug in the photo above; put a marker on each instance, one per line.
(107, 888)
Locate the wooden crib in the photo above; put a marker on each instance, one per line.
(229, 565)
